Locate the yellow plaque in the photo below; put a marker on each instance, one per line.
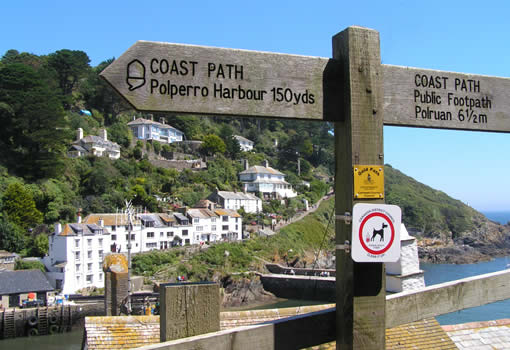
(368, 181)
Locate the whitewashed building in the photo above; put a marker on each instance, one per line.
(267, 181)
(217, 225)
(75, 257)
(144, 129)
(237, 200)
(98, 146)
(245, 144)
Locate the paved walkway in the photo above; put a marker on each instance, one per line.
(488, 335)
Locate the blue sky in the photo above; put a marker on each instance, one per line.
(463, 36)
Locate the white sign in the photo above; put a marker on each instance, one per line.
(376, 232)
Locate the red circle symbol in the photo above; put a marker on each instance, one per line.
(392, 229)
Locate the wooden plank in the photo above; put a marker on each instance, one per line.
(358, 141)
(447, 297)
(291, 333)
(437, 99)
(155, 76)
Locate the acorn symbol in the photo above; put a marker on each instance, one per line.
(135, 74)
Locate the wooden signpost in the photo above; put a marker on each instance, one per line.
(354, 91)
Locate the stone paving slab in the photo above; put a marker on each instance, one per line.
(487, 335)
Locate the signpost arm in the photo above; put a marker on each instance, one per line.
(358, 140)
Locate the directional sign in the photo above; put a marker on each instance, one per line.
(435, 99)
(154, 76)
(376, 232)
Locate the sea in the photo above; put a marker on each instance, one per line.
(434, 273)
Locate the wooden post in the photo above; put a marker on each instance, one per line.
(358, 141)
(188, 309)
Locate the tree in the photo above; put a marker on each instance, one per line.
(233, 148)
(70, 66)
(212, 145)
(12, 238)
(32, 136)
(40, 246)
(29, 265)
(19, 205)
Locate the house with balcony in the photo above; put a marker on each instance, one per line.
(267, 181)
(145, 129)
(245, 144)
(215, 225)
(98, 146)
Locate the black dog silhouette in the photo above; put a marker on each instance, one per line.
(379, 232)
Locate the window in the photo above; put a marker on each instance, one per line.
(100, 266)
(77, 255)
(89, 242)
(213, 228)
(150, 234)
(114, 228)
(132, 237)
(78, 280)
(100, 276)
(200, 228)
(78, 266)
(237, 227)
(213, 219)
(100, 253)
(196, 220)
(77, 243)
(100, 242)
(151, 245)
(161, 234)
(169, 234)
(114, 237)
(184, 232)
(89, 267)
(89, 278)
(89, 254)
(224, 218)
(224, 227)
(186, 241)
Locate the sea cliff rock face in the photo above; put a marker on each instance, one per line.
(486, 240)
(244, 291)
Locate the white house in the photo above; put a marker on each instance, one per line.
(266, 180)
(217, 225)
(98, 146)
(237, 200)
(246, 145)
(145, 129)
(75, 257)
(149, 231)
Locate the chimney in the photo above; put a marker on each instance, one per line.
(134, 118)
(266, 163)
(79, 216)
(58, 228)
(79, 134)
(104, 134)
(101, 222)
(246, 165)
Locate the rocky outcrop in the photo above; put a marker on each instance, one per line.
(485, 241)
(242, 291)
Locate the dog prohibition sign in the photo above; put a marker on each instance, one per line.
(376, 233)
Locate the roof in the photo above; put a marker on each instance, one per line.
(259, 169)
(96, 140)
(119, 219)
(241, 138)
(82, 229)
(23, 281)
(228, 212)
(142, 121)
(5, 253)
(201, 213)
(476, 335)
(237, 195)
(121, 332)
(424, 334)
(77, 148)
